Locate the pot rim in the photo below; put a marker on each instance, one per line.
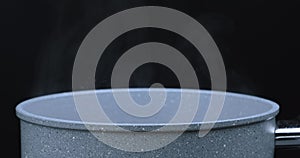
(194, 126)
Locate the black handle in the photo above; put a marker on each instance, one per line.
(287, 134)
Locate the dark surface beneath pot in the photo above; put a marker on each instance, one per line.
(258, 41)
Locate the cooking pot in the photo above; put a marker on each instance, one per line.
(52, 126)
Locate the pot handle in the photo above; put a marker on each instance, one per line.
(287, 134)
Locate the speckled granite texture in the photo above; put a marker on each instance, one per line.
(251, 141)
(52, 128)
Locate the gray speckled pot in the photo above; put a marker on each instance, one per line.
(51, 127)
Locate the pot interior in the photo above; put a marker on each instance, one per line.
(61, 108)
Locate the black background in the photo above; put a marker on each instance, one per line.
(258, 39)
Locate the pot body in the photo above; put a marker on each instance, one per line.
(254, 140)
